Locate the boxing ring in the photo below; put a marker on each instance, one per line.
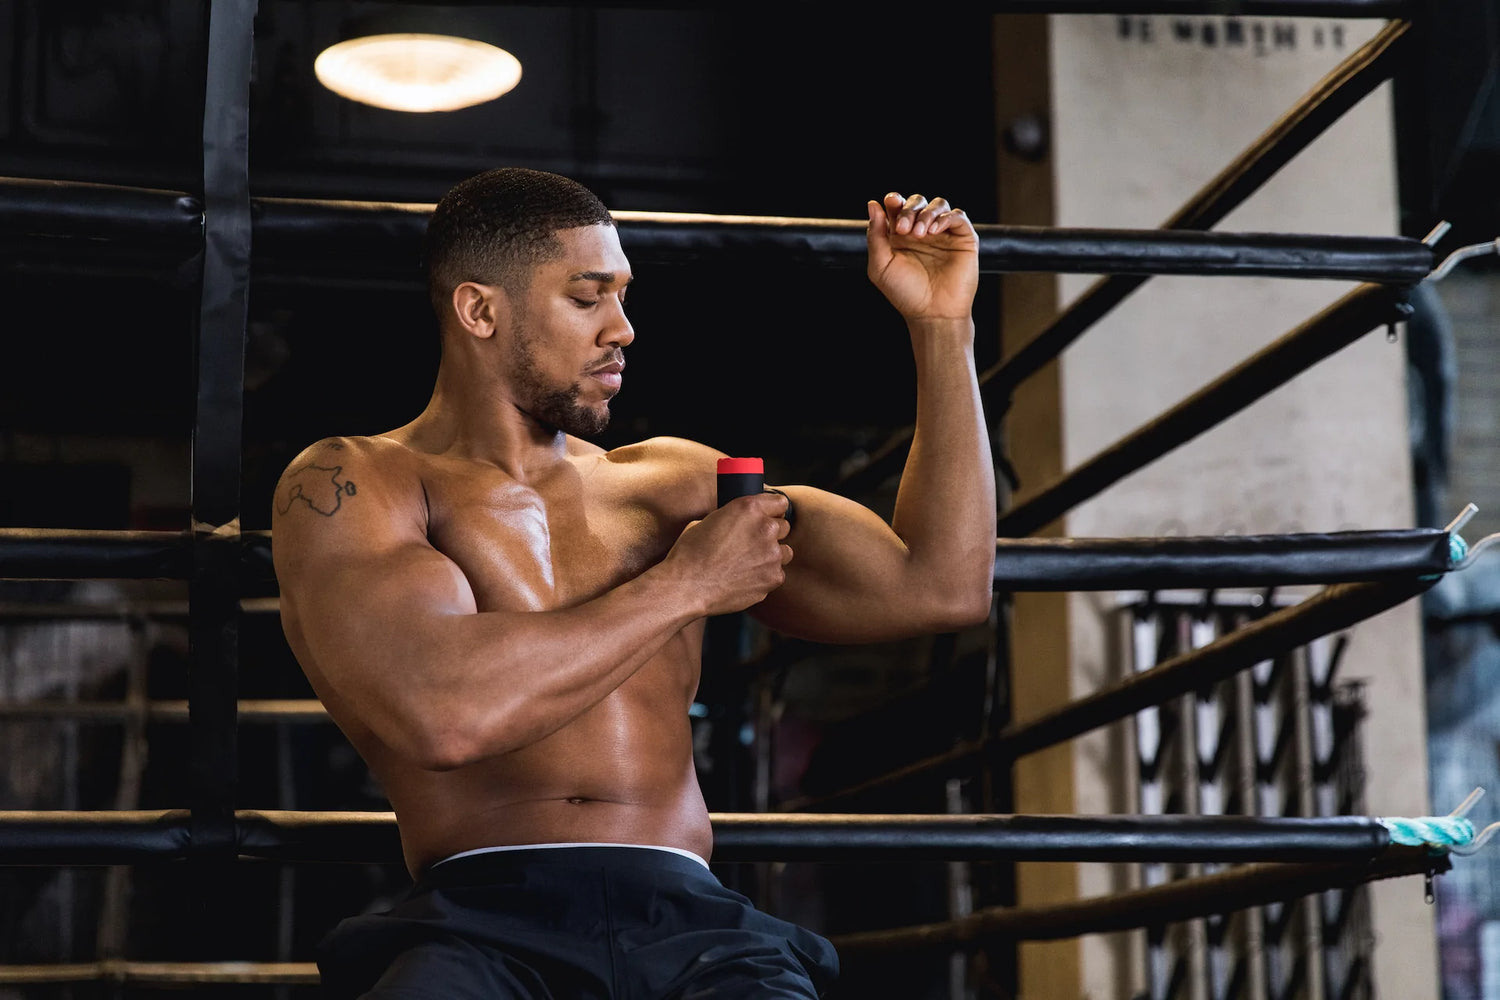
(219, 242)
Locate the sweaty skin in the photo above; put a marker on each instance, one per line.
(506, 621)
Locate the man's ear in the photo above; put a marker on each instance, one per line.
(479, 310)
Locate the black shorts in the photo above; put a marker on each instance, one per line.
(574, 923)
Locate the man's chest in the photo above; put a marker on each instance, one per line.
(552, 545)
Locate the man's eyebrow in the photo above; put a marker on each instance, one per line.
(604, 277)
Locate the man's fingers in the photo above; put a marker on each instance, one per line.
(954, 218)
(901, 211)
(907, 219)
(924, 219)
(914, 215)
(878, 238)
(786, 554)
(880, 223)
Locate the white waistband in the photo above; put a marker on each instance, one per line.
(542, 847)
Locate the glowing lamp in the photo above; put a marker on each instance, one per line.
(410, 72)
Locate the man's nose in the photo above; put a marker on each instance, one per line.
(617, 331)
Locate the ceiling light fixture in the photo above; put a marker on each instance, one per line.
(411, 72)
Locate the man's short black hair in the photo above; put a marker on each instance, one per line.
(495, 227)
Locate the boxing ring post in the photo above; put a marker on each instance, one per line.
(213, 588)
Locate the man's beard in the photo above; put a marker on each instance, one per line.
(548, 404)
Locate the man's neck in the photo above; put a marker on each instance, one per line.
(482, 423)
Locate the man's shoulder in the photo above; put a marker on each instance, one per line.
(673, 474)
(666, 458)
(327, 472)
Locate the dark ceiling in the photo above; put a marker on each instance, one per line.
(804, 114)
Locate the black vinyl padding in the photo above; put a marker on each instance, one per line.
(1067, 564)
(1021, 564)
(107, 838)
(308, 236)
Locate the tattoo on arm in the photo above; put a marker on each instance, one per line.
(319, 487)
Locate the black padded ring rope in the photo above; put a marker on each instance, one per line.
(1043, 564)
(85, 554)
(111, 838)
(307, 239)
(103, 554)
(304, 236)
(1076, 564)
(1333, 609)
(1005, 249)
(72, 209)
(1183, 899)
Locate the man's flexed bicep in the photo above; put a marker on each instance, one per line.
(854, 579)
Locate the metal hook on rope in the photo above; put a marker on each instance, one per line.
(1481, 838)
(1462, 254)
(1479, 546)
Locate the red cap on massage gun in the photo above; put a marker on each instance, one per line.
(740, 477)
(743, 477)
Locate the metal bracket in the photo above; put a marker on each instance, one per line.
(1462, 254)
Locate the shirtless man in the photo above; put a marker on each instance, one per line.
(506, 620)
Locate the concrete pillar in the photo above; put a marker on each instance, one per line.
(1143, 110)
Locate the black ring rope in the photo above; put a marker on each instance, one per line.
(309, 238)
(1029, 564)
(137, 837)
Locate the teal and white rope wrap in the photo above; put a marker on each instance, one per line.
(1458, 549)
(1438, 832)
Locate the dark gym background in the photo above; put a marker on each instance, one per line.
(771, 109)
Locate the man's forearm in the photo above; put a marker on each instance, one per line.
(485, 683)
(945, 508)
